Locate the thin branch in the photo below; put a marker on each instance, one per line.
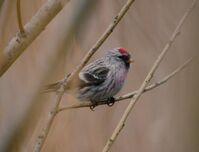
(43, 135)
(33, 28)
(19, 19)
(68, 79)
(100, 41)
(131, 94)
(149, 76)
(78, 15)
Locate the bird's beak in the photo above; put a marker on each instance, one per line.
(130, 61)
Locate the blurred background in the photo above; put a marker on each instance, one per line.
(165, 119)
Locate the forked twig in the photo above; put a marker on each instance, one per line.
(33, 28)
(67, 80)
(135, 98)
(128, 95)
(77, 15)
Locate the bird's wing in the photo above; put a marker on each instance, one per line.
(93, 75)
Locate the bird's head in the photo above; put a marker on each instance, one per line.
(121, 54)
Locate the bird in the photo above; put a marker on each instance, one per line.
(102, 79)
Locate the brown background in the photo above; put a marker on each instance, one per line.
(165, 119)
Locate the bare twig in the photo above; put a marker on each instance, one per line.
(78, 15)
(19, 19)
(128, 95)
(33, 28)
(135, 98)
(100, 41)
(67, 80)
(17, 136)
(43, 135)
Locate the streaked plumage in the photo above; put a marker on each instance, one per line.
(103, 78)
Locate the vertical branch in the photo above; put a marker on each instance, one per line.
(135, 98)
(19, 19)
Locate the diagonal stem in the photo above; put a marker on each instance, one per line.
(135, 98)
(33, 28)
(78, 15)
(68, 79)
(131, 94)
(100, 41)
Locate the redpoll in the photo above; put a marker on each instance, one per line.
(101, 79)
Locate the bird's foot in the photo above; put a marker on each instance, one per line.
(94, 104)
(110, 101)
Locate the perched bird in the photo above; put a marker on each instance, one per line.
(101, 79)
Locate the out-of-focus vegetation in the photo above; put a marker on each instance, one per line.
(165, 119)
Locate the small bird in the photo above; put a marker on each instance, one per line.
(102, 79)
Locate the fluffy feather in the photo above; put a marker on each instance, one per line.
(103, 78)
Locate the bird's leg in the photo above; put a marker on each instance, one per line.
(111, 101)
(94, 104)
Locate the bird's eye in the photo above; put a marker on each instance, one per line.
(123, 57)
(120, 57)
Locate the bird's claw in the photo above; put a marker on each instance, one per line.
(92, 107)
(94, 104)
(111, 101)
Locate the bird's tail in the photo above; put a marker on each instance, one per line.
(54, 87)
